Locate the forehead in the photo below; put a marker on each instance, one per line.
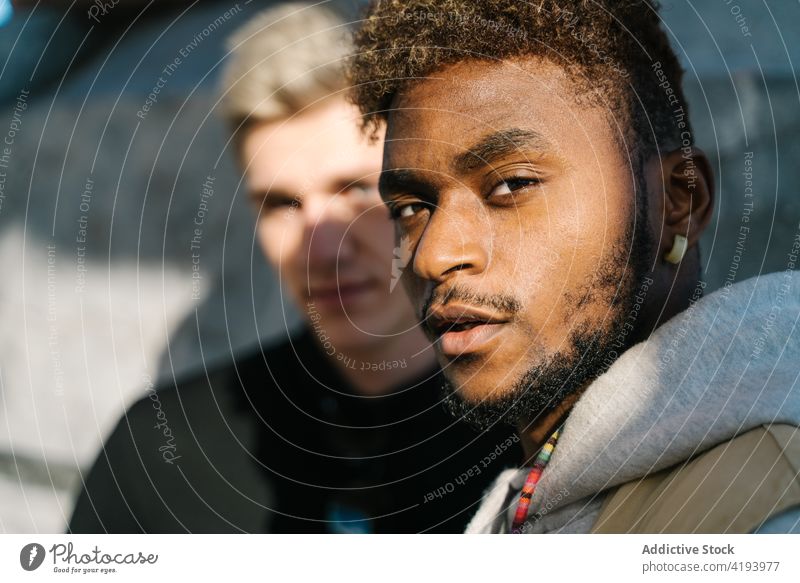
(456, 106)
(323, 141)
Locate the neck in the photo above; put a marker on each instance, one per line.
(380, 365)
(678, 291)
(533, 434)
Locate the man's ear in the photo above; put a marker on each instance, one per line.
(688, 196)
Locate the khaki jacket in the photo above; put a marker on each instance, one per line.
(733, 488)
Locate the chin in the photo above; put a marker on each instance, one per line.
(477, 389)
(486, 400)
(481, 409)
(345, 338)
(353, 334)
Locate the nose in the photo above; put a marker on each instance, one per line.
(326, 221)
(455, 240)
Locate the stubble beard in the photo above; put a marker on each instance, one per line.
(544, 386)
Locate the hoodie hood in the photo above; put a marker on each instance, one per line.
(727, 364)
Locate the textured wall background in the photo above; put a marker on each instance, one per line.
(77, 346)
(101, 295)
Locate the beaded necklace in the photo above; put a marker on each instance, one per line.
(529, 488)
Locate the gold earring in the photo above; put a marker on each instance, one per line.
(679, 246)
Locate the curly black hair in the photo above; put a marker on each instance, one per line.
(615, 51)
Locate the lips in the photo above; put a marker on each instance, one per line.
(461, 329)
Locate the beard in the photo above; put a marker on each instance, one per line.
(588, 353)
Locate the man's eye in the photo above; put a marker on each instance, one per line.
(271, 203)
(512, 185)
(405, 210)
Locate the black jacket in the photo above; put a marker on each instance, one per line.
(277, 442)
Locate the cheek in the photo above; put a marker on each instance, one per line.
(541, 244)
(280, 239)
(547, 250)
(374, 233)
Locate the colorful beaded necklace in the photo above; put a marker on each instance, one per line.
(530, 482)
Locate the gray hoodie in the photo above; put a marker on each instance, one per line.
(727, 364)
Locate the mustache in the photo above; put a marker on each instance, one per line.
(504, 303)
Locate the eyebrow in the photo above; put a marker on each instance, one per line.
(395, 180)
(497, 145)
(489, 148)
(260, 195)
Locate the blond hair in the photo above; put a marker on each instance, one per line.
(285, 59)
